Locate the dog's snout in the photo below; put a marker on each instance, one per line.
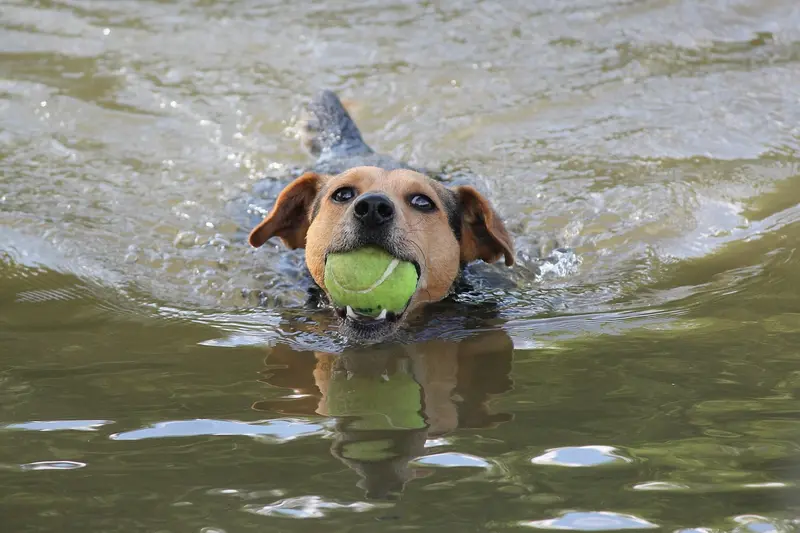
(373, 209)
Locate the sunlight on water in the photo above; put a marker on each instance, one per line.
(279, 430)
(581, 456)
(592, 521)
(637, 368)
(449, 460)
(308, 507)
(60, 425)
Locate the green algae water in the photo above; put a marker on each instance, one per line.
(158, 375)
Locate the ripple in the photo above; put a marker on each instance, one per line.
(308, 507)
(661, 486)
(667, 486)
(246, 494)
(581, 456)
(59, 425)
(281, 430)
(592, 521)
(53, 465)
(761, 524)
(768, 485)
(454, 460)
(433, 443)
(560, 264)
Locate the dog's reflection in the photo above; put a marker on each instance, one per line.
(387, 401)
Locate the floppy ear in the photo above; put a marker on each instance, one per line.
(483, 235)
(290, 218)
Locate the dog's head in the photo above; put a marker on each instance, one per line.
(409, 215)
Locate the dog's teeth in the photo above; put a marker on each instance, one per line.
(350, 313)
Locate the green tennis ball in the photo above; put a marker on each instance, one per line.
(370, 280)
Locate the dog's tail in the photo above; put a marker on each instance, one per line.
(328, 130)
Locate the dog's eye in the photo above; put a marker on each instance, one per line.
(343, 195)
(421, 202)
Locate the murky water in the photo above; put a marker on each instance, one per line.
(143, 387)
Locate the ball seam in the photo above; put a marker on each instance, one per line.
(386, 273)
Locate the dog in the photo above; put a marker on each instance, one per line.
(355, 197)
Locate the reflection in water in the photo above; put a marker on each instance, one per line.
(305, 507)
(592, 521)
(273, 430)
(388, 400)
(659, 140)
(581, 456)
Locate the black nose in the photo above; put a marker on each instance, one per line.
(373, 209)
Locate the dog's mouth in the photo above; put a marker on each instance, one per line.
(368, 328)
(375, 326)
(348, 313)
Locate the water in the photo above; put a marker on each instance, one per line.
(654, 385)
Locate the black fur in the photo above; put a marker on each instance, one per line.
(453, 209)
(330, 131)
(331, 135)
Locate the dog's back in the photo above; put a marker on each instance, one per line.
(330, 134)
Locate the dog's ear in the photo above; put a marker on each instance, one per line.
(483, 235)
(290, 217)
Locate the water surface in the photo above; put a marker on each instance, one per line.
(160, 375)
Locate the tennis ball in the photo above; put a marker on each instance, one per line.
(370, 281)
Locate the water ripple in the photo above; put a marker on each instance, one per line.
(280, 430)
(592, 521)
(454, 459)
(581, 456)
(308, 507)
(59, 425)
(53, 465)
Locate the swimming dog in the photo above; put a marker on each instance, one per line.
(355, 197)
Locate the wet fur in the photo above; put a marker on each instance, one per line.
(463, 228)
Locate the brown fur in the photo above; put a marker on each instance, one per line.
(289, 218)
(305, 216)
(484, 236)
